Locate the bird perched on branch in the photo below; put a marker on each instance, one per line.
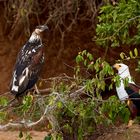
(128, 92)
(29, 63)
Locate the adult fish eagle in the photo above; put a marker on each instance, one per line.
(29, 63)
(130, 92)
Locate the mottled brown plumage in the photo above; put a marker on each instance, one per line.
(29, 63)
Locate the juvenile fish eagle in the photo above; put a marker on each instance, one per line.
(29, 63)
(130, 92)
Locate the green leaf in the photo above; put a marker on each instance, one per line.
(80, 133)
(90, 56)
(84, 52)
(96, 66)
(68, 127)
(3, 101)
(20, 134)
(85, 62)
(79, 58)
(110, 86)
(2, 116)
(126, 81)
(114, 23)
(26, 103)
(117, 80)
(122, 55)
(59, 104)
(90, 66)
(136, 52)
(115, 43)
(28, 136)
(131, 54)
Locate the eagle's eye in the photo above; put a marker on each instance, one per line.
(119, 65)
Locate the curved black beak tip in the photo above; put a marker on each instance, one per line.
(113, 66)
(46, 27)
(43, 27)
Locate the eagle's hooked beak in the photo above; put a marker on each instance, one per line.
(116, 66)
(41, 28)
(44, 27)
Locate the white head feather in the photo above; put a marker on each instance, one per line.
(123, 72)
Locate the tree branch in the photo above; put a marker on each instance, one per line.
(25, 124)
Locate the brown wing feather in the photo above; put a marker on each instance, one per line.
(134, 87)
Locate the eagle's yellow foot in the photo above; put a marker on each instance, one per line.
(130, 123)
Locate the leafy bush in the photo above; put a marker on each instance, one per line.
(75, 107)
(119, 24)
(83, 114)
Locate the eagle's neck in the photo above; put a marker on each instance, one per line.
(125, 74)
(34, 37)
(122, 94)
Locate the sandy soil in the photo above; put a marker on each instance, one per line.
(120, 133)
(123, 133)
(14, 135)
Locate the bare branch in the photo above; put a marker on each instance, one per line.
(25, 124)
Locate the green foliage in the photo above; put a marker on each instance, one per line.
(116, 79)
(28, 136)
(132, 55)
(3, 101)
(86, 59)
(87, 111)
(20, 134)
(116, 22)
(126, 81)
(26, 104)
(25, 135)
(100, 68)
(87, 114)
(3, 116)
(115, 109)
(76, 102)
(48, 138)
